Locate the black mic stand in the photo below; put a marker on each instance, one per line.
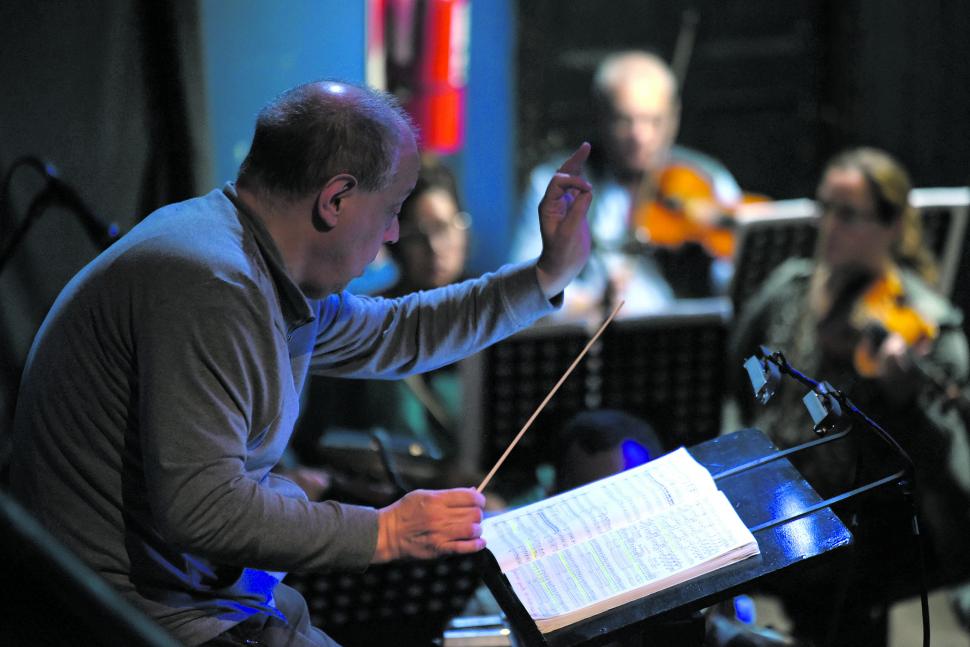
(55, 191)
(832, 413)
(38, 205)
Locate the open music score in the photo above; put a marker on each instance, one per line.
(545, 401)
(617, 540)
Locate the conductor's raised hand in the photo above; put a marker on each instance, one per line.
(428, 523)
(562, 221)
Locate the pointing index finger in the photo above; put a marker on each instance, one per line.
(574, 165)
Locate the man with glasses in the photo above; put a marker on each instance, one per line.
(637, 105)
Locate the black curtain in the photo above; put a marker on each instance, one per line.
(110, 92)
(772, 89)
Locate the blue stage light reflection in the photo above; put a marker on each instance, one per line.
(801, 536)
(634, 454)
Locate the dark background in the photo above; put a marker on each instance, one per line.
(773, 89)
(114, 92)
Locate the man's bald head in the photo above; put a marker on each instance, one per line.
(315, 131)
(639, 111)
(633, 67)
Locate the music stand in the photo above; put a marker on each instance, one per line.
(944, 214)
(51, 597)
(772, 232)
(666, 368)
(769, 233)
(406, 603)
(669, 369)
(768, 497)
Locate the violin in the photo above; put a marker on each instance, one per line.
(683, 207)
(883, 310)
(871, 311)
(679, 205)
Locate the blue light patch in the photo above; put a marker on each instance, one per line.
(633, 453)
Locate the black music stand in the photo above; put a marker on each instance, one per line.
(766, 496)
(769, 233)
(406, 604)
(667, 369)
(944, 215)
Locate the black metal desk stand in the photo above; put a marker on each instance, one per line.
(765, 497)
(795, 529)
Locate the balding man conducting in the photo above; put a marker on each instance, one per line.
(163, 386)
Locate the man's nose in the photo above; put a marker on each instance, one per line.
(645, 131)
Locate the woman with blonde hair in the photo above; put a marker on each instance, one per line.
(864, 316)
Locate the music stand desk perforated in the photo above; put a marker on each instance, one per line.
(405, 603)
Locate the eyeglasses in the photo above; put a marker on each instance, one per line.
(439, 229)
(846, 214)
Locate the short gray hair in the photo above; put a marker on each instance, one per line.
(621, 66)
(315, 131)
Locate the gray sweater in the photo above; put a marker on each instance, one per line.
(164, 384)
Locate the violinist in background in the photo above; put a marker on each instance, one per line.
(863, 316)
(637, 104)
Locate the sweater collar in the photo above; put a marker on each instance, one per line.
(297, 310)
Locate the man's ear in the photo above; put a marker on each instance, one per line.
(327, 209)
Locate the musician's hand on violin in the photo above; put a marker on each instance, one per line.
(896, 370)
(709, 213)
(562, 221)
(428, 523)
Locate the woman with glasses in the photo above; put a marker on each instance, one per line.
(864, 316)
(418, 419)
(433, 243)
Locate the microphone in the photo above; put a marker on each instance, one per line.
(765, 376)
(101, 234)
(823, 405)
(822, 401)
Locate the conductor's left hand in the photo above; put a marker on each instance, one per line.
(428, 523)
(562, 220)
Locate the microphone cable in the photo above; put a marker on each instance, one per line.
(55, 191)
